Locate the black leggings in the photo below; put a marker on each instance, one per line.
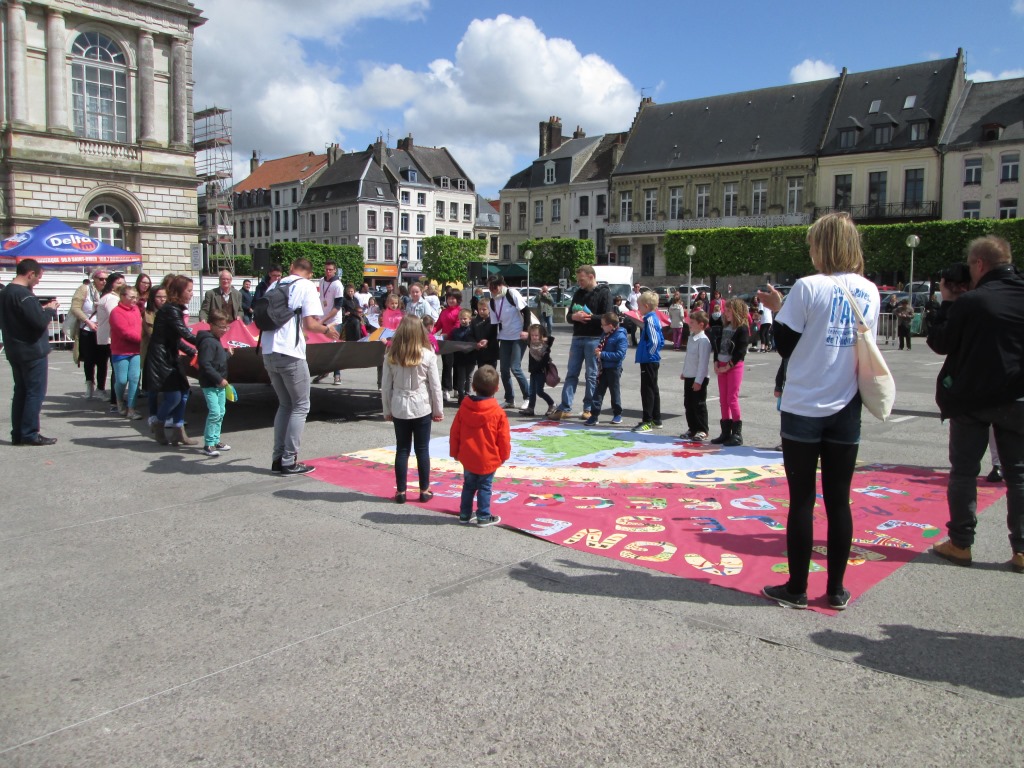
(837, 465)
(412, 434)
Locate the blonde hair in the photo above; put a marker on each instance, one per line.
(740, 312)
(648, 299)
(395, 298)
(991, 250)
(408, 343)
(836, 242)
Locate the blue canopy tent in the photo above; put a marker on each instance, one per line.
(55, 245)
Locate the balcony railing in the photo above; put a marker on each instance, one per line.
(108, 150)
(926, 209)
(653, 227)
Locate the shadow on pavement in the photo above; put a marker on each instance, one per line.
(982, 662)
(628, 584)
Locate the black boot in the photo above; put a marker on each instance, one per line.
(736, 438)
(726, 432)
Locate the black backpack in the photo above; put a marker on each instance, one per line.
(271, 311)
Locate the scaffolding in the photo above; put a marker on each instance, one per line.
(214, 173)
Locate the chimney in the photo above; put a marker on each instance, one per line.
(333, 151)
(644, 102)
(254, 161)
(378, 151)
(406, 143)
(550, 135)
(579, 133)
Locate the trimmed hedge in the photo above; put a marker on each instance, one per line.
(349, 258)
(756, 250)
(445, 258)
(552, 255)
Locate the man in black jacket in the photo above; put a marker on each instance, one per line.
(589, 303)
(25, 324)
(981, 385)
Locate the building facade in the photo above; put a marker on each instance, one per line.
(982, 147)
(267, 202)
(97, 118)
(564, 192)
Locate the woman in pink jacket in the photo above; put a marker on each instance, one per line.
(125, 344)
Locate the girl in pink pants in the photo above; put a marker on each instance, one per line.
(732, 349)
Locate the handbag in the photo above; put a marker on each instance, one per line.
(70, 326)
(874, 380)
(551, 377)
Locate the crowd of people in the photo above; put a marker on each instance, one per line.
(141, 330)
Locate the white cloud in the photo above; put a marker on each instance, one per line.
(1018, 7)
(254, 63)
(506, 76)
(982, 75)
(808, 70)
(483, 100)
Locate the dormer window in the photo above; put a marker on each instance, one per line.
(462, 184)
(875, 106)
(413, 176)
(883, 134)
(549, 172)
(847, 138)
(446, 183)
(991, 132)
(919, 131)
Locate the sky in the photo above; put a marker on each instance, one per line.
(478, 77)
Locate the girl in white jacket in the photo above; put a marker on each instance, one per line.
(411, 398)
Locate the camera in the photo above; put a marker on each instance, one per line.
(957, 275)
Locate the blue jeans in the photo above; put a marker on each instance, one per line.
(510, 356)
(548, 327)
(480, 486)
(581, 352)
(126, 379)
(215, 399)
(289, 376)
(172, 409)
(608, 381)
(537, 382)
(410, 433)
(968, 439)
(27, 401)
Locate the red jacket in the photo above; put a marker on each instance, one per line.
(480, 438)
(125, 330)
(448, 320)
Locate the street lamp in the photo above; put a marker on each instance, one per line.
(690, 251)
(528, 255)
(912, 242)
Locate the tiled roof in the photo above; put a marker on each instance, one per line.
(438, 161)
(283, 170)
(1000, 102)
(881, 97)
(750, 126)
(352, 176)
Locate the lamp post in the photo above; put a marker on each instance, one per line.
(912, 242)
(690, 251)
(528, 255)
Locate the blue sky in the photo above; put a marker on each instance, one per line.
(477, 77)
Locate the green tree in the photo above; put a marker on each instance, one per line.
(445, 258)
(552, 255)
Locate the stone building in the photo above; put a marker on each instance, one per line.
(96, 113)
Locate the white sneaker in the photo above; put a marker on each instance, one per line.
(524, 405)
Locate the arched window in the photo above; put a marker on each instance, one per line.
(99, 92)
(106, 224)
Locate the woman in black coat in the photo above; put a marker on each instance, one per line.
(170, 337)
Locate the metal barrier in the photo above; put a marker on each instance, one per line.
(885, 332)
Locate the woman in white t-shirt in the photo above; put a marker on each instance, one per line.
(816, 331)
(764, 330)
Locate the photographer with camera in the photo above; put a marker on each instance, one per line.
(979, 328)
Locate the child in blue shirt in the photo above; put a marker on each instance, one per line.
(648, 355)
(610, 352)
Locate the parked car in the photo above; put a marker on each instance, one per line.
(665, 294)
(692, 291)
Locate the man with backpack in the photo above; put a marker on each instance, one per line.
(290, 306)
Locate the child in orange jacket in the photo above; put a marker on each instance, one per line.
(481, 442)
